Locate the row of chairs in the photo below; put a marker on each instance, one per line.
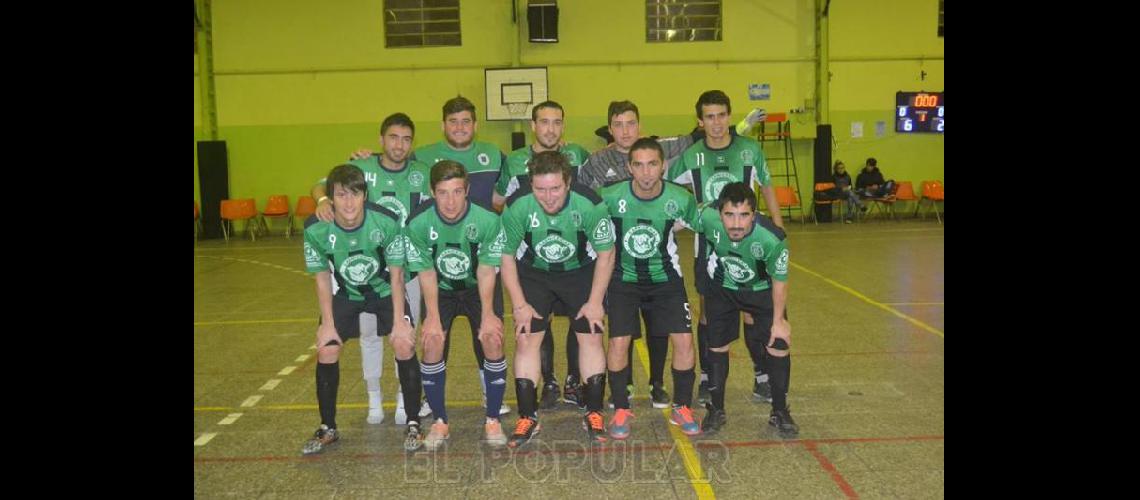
(932, 194)
(277, 207)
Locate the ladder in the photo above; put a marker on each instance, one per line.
(781, 157)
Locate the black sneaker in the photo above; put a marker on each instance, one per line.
(570, 391)
(714, 419)
(782, 421)
(659, 397)
(595, 425)
(761, 391)
(550, 396)
(525, 429)
(414, 439)
(703, 396)
(320, 440)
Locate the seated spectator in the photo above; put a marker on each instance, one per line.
(870, 182)
(844, 191)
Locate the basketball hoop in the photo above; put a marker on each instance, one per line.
(518, 110)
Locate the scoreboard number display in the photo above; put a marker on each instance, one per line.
(919, 112)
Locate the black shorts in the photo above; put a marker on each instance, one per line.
(665, 307)
(723, 307)
(467, 303)
(543, 289)
(346, 315)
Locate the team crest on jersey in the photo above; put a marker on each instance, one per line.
(554, 249)
(396, 248)
(453, 264)
(602, 231)
(782, 263)
(715, 183)
(376, 236)
(671, 208)
(358, 269)
(413, 255)
(394, 204)
(737, 269)
(499, 243)
(483, 159)
(641, 241)
(415, 178)
(571, 156)
(312, 257)
(746, 156)
(471, 231)
(576, 218)
(757, 250)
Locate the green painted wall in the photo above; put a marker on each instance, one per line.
(301, 84)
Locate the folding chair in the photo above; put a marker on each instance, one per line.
(933, 192)
(277, 207)
(306, 206)
(825, 186)
(786, 198)
(244, 209)
(905, 192)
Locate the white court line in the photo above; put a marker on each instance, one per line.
(301, 358)
(250, 401)
(270, 385)
(205, 438)
(231, 418)
(287, 370)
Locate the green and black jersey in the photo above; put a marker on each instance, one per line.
(646, 248)
(708, 169)
(359, 257)
(454, 249)
(397, 190)
(483, 162)
(565, 241)
(749, 264)
(515, 172)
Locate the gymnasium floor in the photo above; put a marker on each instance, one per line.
(866, 305)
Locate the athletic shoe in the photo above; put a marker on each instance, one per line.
(321, 439)
(683, 416)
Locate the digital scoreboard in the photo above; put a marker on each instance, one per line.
(919, 112)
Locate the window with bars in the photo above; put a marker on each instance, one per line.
(941, 16)
(682, 20)
(421, 23)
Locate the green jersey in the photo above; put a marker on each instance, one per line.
(707, 170)
(564, 241)
(749, 264)
(515, 172)
(646, 249)
(452, 249)
(360, 258)
(483, 162)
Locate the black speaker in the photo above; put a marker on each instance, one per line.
(542, 19)
(518, 140)
(822, 153)
(214, 185)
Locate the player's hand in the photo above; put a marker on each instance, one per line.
(524, 313)
(594, 313)
(326, 333)
(432, 329)
(361, 154)
(325, 210)
(402, 330)
(491, 328)
(781, 329)
(756, 116)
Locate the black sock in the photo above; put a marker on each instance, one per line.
(683, 386)
(595, 390)
(779, 375)
(658, 350)
(412, 386)
(527, 396)
(546, 356)
(328, 380)
(718, 377)
(628, 370)
(572, 354)
(703, 348)
(617, 389)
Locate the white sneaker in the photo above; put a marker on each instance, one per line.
(425, 409)
(375, 407)
(503, 410)
(401, 415)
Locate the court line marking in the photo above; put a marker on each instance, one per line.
(871, 301)
(270, 384)
(251, 401)
(830, 468)
(204, 438)
(231, 418)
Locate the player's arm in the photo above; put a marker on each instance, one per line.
(326, 332)
(324, 204)
(777, 266)
(757, 115)
(773, 206)
(490, 326)
(394, 254)
(593, 309)
(522, 311)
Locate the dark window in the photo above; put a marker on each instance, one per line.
(682, 21)
(421, 23)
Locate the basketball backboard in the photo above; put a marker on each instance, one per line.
(512, 92)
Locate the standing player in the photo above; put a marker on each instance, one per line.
(707, 166)
(748, 272)
(569, 257)
(364, 245)
(456, 245)
(648, 279)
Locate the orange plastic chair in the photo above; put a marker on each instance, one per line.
(306, 206)
(786, 198)
(884, 204)
(905, 192)
(277, 207)
(825, 186)
(244, 209)
(933, 192)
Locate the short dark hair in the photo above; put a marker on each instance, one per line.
(457, 104)
(619, 107)
(545, 104)
(445, 170)
(713, 97)
(736, 193)
(549, 162)
(348, 176)
(872, 162)
(397, 119)
(647, 143)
